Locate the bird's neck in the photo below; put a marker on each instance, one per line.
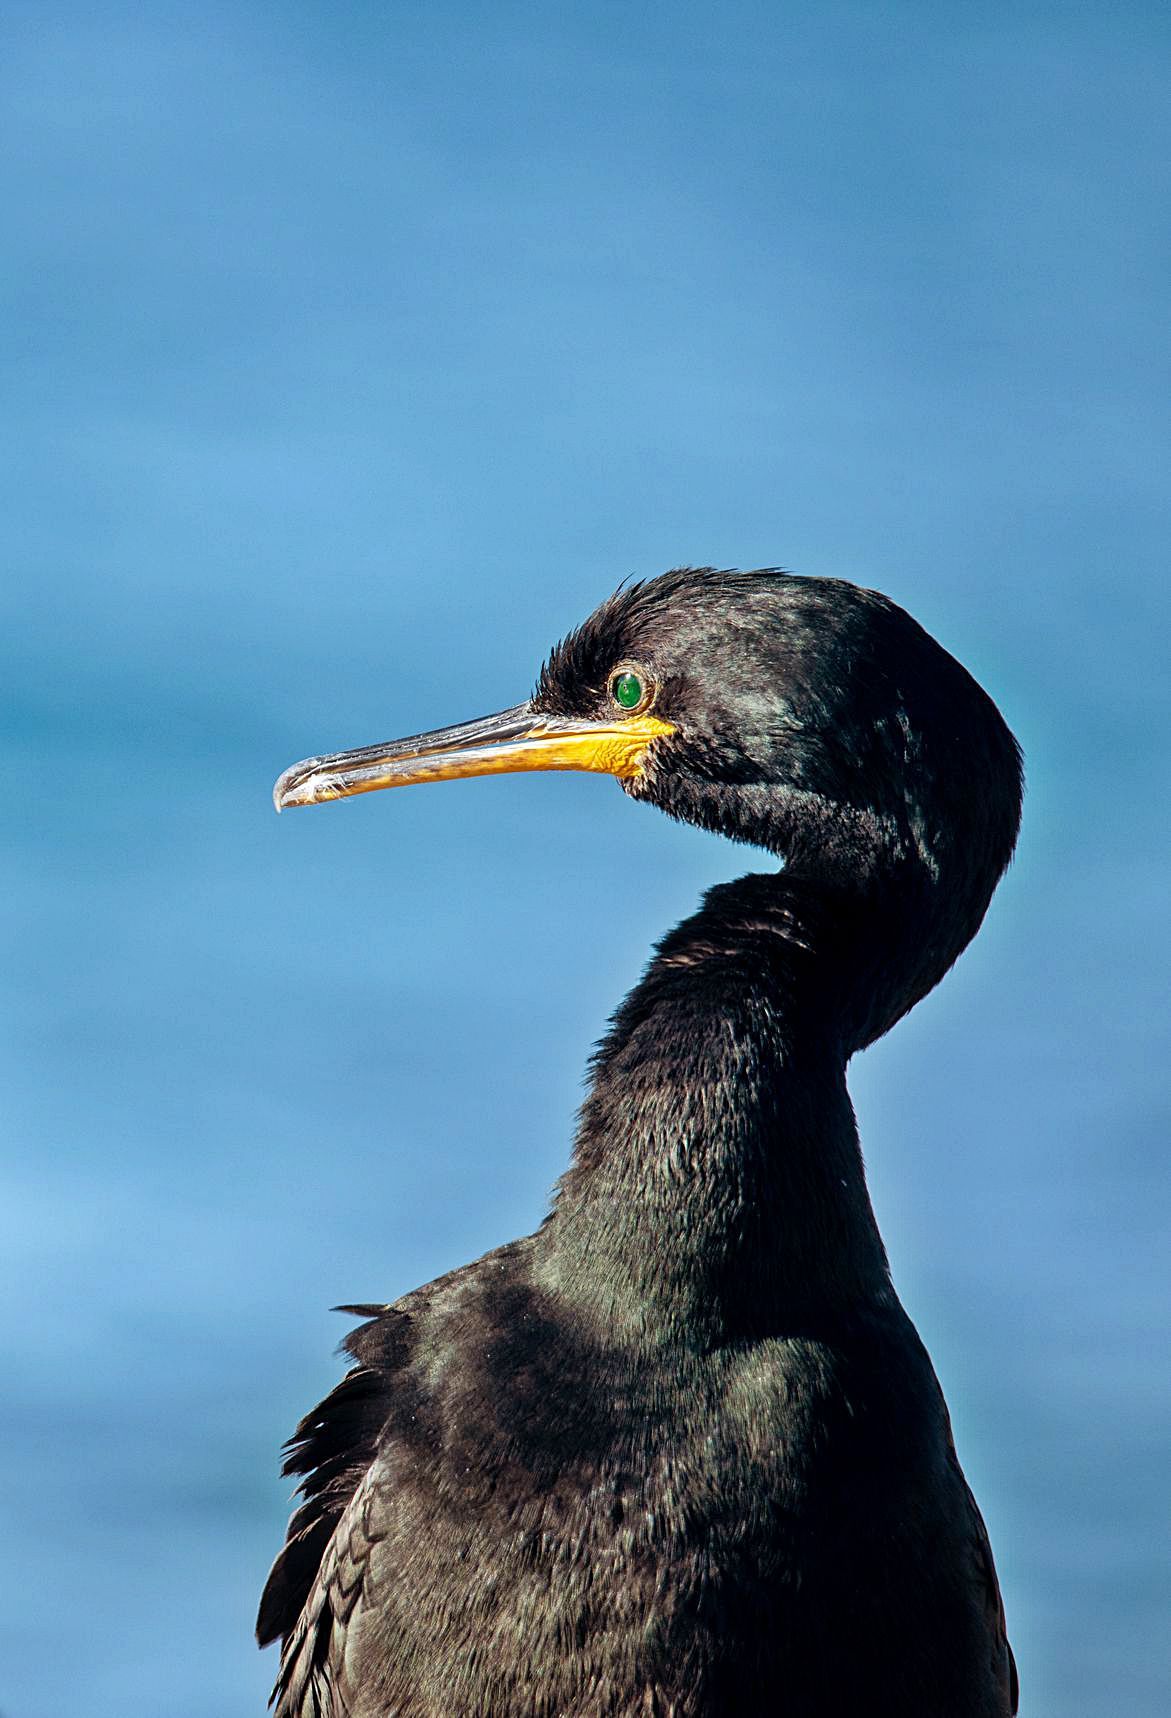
(716, 1191)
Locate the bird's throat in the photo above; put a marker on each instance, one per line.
(717, 1190)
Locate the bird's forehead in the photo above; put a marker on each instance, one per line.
(741, 628)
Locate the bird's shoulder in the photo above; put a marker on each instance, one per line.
(397, 1352)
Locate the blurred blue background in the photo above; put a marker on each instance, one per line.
(350, 355)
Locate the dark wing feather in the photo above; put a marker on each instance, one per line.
(311, 1682)
(315, 1579)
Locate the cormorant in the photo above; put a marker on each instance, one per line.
(681, 1451)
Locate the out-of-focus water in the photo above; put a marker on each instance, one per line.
(353, 359)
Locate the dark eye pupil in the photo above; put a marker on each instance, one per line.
(627, 690)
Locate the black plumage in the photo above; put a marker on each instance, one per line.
(681, 1451)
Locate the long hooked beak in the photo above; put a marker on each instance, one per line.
(516, 739)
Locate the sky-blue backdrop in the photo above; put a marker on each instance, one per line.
(351, 353)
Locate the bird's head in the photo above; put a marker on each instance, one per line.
(803, 715)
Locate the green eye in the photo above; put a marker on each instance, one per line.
(626, 689)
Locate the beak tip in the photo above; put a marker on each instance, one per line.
(305, 784)
(289, 788)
